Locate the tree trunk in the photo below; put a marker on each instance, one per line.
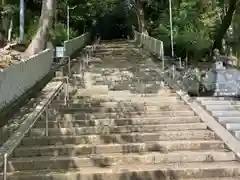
(55, 13)
(226, 22)
(140, 17)
(40, 39)
(2, 32)
(10, 30)
(138, 22)
(6, 21)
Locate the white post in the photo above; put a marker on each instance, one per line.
(173, 71)
(155, 45)
(171, 26)
(68, 19)
(163, 65)
(46, 121)
(5, 166)
(162, 56)
(22, 4)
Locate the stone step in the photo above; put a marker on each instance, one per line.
(142, 96)
(106, 160)
(115, 54)
(101, 102)
(120, 138)
(72, 122)
(232, 126)
(191, 170)
(114, 106)
(133, 110)
(91, 116)
(220, 102)
(229, 113)
(213, 178)
(127, 91)
(214, 98)
(94, 89)
(109, 49)
(126, 113)
(153, 91)
(150, 146)
(153, 82)
(136, 99)
(106, 129)
(110, 94)
(98, 102)
(145, 99)
(228, 119)
(221, 107)
(237, 134)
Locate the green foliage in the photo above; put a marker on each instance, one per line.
(59, 34)
(194, 23)
(31, 30)
(81, 18)
(86, 12)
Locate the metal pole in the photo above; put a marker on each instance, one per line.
(46, 119)
(173, 71)
(69, 66)
(155, 45)
(22, 19)
(171, 26)
(5, 167)
(66, 92)
(180, 62)
(161, 53)
(163, 64)
(67, 82)
(68, 19)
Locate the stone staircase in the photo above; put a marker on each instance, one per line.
(225, 110)
(124, 125)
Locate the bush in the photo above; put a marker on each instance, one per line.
(59, 34)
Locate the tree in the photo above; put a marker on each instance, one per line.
(198, 26)
(41, 37)
(137, 6)
(6, 14)
(226, 22)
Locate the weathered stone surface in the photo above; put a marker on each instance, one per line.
(10, 56)
(125, 124)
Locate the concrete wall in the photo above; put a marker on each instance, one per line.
(17, 79)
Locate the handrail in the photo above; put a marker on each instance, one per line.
(72, 45)
(83, 62)
(10, 145)
(96, 43)
(155, 46)
(222, 132)
(90, 50)
(151, 44)
(181, 85)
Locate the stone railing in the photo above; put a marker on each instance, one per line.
(151, 44)
(42, 109)
(17, 79)
(188, 80)
(72, 45)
